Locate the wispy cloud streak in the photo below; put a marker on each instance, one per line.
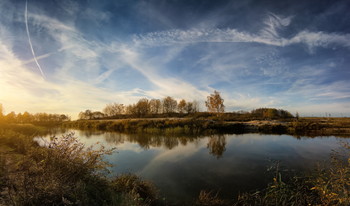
(273, 24)
(171, 37)
(268, 35)
(30, 41)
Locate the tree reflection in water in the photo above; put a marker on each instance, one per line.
(145, 141)
(217, 145)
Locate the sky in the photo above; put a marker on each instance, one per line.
(66, 56)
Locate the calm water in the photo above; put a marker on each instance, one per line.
(182, 166)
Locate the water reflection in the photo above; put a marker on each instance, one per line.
(217, 145)
(146, 141)
(181, 166)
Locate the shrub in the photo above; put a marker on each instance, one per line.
(141, 192)
(333, 184)
(206, 198)
(63, 172)
(329, 185)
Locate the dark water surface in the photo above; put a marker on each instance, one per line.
(181, 167)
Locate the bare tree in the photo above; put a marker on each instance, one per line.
(142, 107)
(113, 109)
(215, 103)
(155, 106)
(192, 107)
(85, 115)
(169, 105)
(195, 104)
(182, 106)
(131, 109)
(97, 115)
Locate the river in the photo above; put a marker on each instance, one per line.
(182, 166)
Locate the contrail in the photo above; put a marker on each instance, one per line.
(30, 41)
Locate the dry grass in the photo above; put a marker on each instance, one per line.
(63, 172)
(328, 185)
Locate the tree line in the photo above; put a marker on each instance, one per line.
(166, 107)
(144, 107)
(271, 113)
(27, 117)
(170, 107)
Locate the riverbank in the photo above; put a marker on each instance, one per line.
(64, 172)
(296, 127)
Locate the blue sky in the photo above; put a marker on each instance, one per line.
(65, 56)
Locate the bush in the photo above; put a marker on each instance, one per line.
(62, 172)
(206, 198)
(140, 191)
(333, 184)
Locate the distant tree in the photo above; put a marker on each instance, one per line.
(195, 106)
(26, 117)
(113, 109)
(142, 107)
(169, 105)
(85, 115)
(192, 107)
(215, 103)
(11, 117)
(1, 110)
(131, 109)
(182, 106)
(41, 117)
(271, 113)
(189, 107)
(285, 114)
(64, 117)
(88, 114)
(97, 115)
(81, 115)
(155, 106)
(19, 118)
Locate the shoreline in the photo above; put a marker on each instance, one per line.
(312, 127)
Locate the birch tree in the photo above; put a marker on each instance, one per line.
(215, 103)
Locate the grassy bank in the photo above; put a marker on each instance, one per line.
(326, 185)
(159, 126)
(64, 172)
(316, 126)
(297, 127)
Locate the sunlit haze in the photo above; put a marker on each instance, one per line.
(66, 56)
